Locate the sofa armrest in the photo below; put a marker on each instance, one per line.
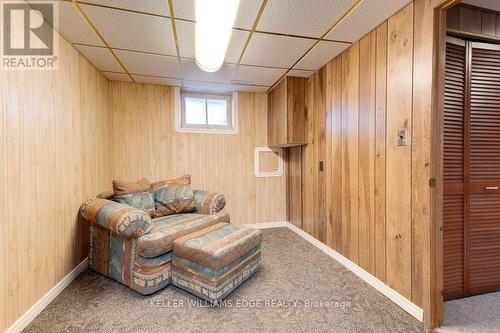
(126, 221)
(208, 203)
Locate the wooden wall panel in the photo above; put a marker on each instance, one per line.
(146, 144)
(320, 101)
(310, 163)
(54, 141)
(421, 168)
(333, 137)
(3, 209)
(294, 189)
(399, 117)
(350, 158)
(314, 214)
(367, 66)
(380, 148)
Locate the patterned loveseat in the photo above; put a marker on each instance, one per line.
(133, 228)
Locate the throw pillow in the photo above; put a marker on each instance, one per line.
(173, 196)
(136, 194)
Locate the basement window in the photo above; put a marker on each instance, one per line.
(202, 113)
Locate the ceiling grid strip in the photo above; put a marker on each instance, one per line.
(168, 55)
(334, 25)
(254, 27)
(101, 37)
(119, 8)
(174, 33)
(188, 80)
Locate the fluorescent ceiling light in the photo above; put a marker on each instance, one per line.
(214, 23)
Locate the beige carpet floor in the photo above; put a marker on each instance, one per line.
(298, 289)
(478, 314)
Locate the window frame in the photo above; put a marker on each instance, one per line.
(183, 126)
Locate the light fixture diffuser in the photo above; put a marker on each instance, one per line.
(214, 23)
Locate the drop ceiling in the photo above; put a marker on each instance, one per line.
(135, 41)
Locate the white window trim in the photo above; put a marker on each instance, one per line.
(178, 117)
(277, 173)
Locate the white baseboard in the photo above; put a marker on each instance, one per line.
(390, 293)
(267, 225)
(25, 319)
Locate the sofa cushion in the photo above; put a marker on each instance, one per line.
(167, 229)
(137, 194)
(173, 197)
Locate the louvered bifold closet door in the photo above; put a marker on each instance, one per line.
(453, 170)
(484, 220)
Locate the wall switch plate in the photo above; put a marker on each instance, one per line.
(402, 141)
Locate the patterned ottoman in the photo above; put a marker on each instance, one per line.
(213, 262)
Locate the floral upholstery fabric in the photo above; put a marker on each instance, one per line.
(209, 202)
(136, 194)
(212, 262)
(161, 238)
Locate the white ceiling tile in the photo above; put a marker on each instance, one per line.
(235, 46)
(367, 16)
(158, 7)
(133, 31)
(186, 39)
(488, 4)
(275, 51)
(184, 9)
(117, 76)
(157, 80)
(262, 76)
(149, 64)
(302, 18)
(100, 57)
(245, 88)
(208, 87)
(73, 27)
(321, 54)
(300, 73)
(192, 72)
(247, 12)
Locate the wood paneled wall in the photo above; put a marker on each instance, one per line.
(146, 144)
(372, 201)
(55, 146)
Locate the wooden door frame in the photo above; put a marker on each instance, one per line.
(432, 26)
